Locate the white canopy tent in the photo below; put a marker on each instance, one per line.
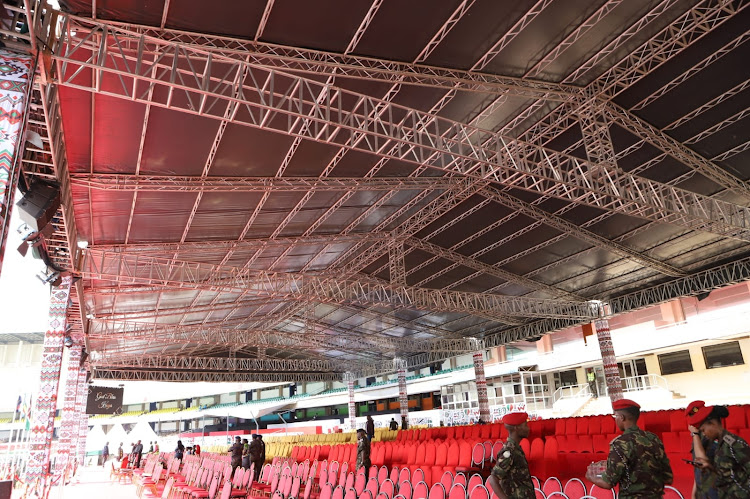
(251, 410)
(143, 432)
(115, 436)
(96, 439)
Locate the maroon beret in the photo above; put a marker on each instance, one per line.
(624, 404)
(697, 412)
(515, 418)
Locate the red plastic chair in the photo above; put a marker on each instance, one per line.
(459, 478)
(474, 480)
(421, 491)
(418, 476)
(447, 480)
(479, 492)
(551, 485)
(382, 474)
(458, 491)
(672, 493)
(405, 490)
(478, 455)
(359, 483)
(350, 494)
(404, 474)
(326, 491)
(557, 495)
(539, 494)
(575, 488)
(338, 493)
(535, 481)
(437, 491)
(393, 475)
(373, 486)
(388, 488)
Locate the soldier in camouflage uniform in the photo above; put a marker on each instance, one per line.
(704, 486)
(363, 451)
(730, 465)
(510, 477)
(637, 460)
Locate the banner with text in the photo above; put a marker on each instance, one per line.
(104, 400)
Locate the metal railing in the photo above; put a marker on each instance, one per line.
(573, 391)
(644, 382)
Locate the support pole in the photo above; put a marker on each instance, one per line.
(481, 381)
(38, 469)
(403, 399)
(68, 433)
(611, 373)
(349, 380)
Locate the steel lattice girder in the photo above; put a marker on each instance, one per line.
(209, 377)
(139, 269)
(224, 336)
(694, 24)
(172, 183)
(183, 363)
(308, 61)
(400, 133)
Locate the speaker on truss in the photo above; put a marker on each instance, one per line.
(39, 204)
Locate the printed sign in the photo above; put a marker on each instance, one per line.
(104, 400)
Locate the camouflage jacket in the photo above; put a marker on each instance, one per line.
(637, 462)
(732, 467)
(512, 471)
(363, 453)
(705, 480)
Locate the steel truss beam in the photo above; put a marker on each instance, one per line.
(308, 61)
(139, 269)
(223, 336)
(119, 182)
(395, 132)
(210, 364)
(210, 377)
(701, 282)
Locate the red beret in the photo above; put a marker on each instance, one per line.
(624, 404)
(697, 412)
(515, 418)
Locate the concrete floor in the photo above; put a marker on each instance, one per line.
(91, 483)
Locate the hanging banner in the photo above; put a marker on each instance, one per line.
(104, 400)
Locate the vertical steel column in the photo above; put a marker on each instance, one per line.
(14, 89)
(611, 373)
(481, 381)
(68, 433)
(46, 401)
(83, 418)
(349, 380)
(403, 399)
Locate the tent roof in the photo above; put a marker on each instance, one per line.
(292, 190)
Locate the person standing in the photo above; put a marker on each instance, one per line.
(404, 423)
(370, 428)
(636, 460)
(591, 378)
(393, 425)
(120, 452)
(704, 482)
(255, 451)
(510, 477)
(150, 447)
(363, 452)
(235, 451)
(137, 453)
(730, 466)
(245, 454)
(180, 450)
(105, 453)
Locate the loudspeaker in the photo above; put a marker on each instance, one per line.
(39, 205)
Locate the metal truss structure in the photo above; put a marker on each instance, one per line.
(336, 210)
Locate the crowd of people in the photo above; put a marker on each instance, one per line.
(246, 454)
(133, 458)
(637, 462)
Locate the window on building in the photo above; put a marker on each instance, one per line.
(722, 355)
(675, 362)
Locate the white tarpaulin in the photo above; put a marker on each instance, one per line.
(144, 433)
(96, 439)
(116, 435)
(251, 410)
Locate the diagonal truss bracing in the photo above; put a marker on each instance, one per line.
(176, 183)
(139, 269)
(134, 331)
(208, 376)
(394, 131)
